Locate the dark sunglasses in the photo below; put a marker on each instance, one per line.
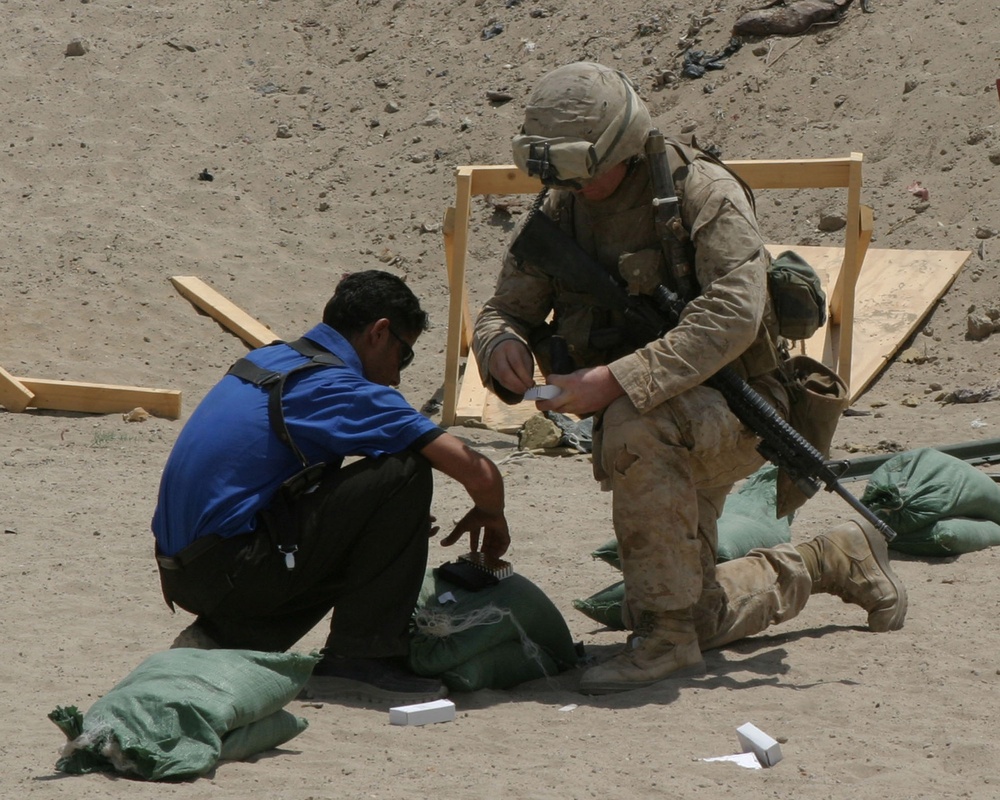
(405, 351)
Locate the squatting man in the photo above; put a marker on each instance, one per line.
(667, 446)
(262, 528)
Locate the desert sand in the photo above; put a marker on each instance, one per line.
(331, 130)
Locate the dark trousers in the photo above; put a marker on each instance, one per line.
(362, 540)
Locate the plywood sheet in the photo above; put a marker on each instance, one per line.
(895, 291)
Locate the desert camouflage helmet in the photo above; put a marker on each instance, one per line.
(581, 120)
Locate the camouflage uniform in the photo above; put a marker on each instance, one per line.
(670, 449)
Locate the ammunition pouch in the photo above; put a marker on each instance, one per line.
(817, 397)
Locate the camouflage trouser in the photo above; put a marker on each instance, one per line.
(670, 470)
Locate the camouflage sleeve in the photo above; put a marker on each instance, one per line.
(520, 303)
(724, 320)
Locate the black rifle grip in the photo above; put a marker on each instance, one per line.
(560, 360)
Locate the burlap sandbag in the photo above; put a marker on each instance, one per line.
(817, 397)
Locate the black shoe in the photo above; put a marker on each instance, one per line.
(384, 681)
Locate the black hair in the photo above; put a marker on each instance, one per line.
(361, 298)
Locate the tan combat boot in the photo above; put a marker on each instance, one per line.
(852, 562)
(660, 647)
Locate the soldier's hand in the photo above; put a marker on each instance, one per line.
(583, 392)
(512, 366)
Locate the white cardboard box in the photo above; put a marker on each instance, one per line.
(423, 713)
(754, 740)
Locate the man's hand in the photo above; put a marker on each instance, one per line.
(512, 366)
(492, 528)
(583, 392)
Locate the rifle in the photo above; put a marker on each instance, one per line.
(548, 247)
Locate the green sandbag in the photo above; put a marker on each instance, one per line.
(500, 667)
(749, 518)
(170, 716)
(467, 643)
(605, 606)
(264, 734)
(913, 490)
(949, 537)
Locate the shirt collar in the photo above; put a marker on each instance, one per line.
(332, 340)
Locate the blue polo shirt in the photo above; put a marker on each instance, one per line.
(227, 462)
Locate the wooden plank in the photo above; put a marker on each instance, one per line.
(97, 398)
(457, 241)
(14, 396)
(760, 174)
(226, 313)
(472, 395)
(805, 173)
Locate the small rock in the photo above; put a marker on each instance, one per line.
(391, 107)
(493, 30)
(136, 415)
(978, 326)
(985, 233)
(284, 131)
(828, 223)
(538, 433)
(910, 85)
(433, 118)
(840, 100)
(77, 47)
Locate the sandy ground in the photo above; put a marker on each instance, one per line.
(332, 129)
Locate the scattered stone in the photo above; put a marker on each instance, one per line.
(910, 401)
(840, 100)
(973, 395)
(918, 190)
(284, 131)
(910, 85)
(492, 30)
(978, 135)
(430, 227)
(538, 433)
(979, 326)
(915, 355)
(77, 47)
(796, 17)
(498, 97)
(829, 223)
(985, 233)
(433, 118)
(391, 107)
(995, 158)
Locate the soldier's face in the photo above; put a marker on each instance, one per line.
(604, 185)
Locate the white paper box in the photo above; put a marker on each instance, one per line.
(754, 740)
(423, 713)
(543, 391)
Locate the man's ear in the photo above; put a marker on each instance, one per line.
(377, 330)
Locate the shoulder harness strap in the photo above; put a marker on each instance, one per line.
(274, 382)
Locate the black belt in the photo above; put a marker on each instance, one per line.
(197, 548)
